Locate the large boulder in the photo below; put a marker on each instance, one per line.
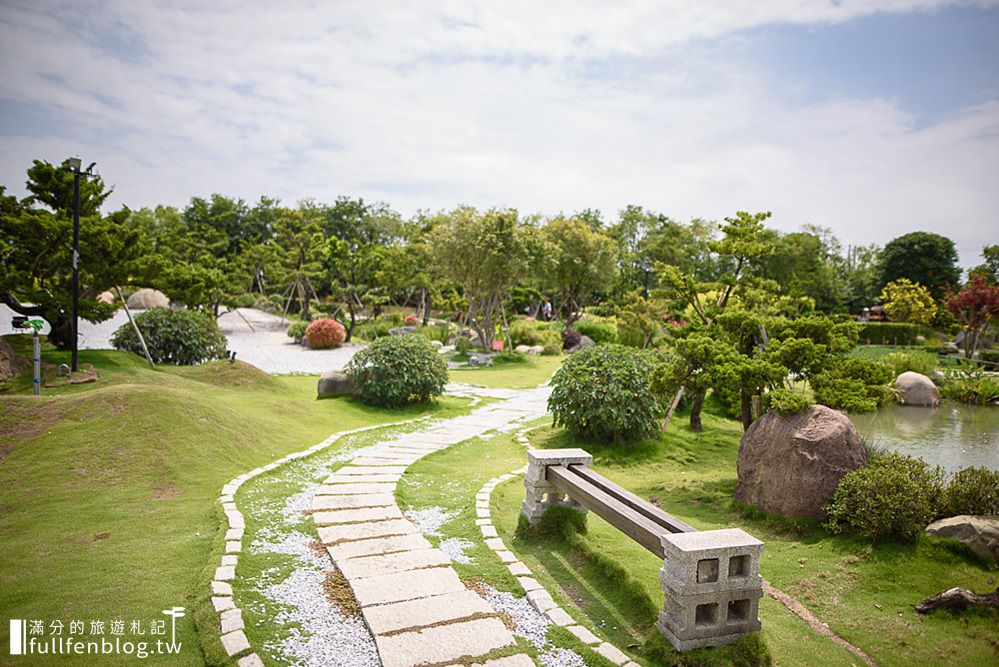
(335, 383)
(584, 342)
(916, 389)
(106, 297)
(792, 465)
(147, 299)
(980, 533)
(11, 365)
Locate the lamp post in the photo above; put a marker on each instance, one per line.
(75, 164)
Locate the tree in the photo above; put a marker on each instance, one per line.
(36, 249)
(486, 253)
(924, 258)
(299, 240)
(990, 269)
(976, 307)
(906, 301)
(578, 260)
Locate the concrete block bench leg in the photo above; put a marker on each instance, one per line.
(540, 494)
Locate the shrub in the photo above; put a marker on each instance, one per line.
(970, 384)
(296, 330)
(551, 341)
(894, 497)
(602, 393)
(181, 337)
(601, 330)
(972, 491)
(437, 332)
(570, 338)
(989, 356)
(787, 402)
(412, 320)
(918, 361)
(891, 333)
(397, 370)
(528, 332)
(853, 385)
(324, 333)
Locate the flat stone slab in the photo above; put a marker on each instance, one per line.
(370, 470)
(353, 502)
(583, 635)
(353, 489)
(337, 478)
(381, 545)
(519, 660)
(327, 518)
(422, 612)
(402, 561)
(442, 643)
(235, 642)
(363, 531)
(371, 460)
(405, 586)
(612, 653)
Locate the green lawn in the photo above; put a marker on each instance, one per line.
(530, 373)
(109, 490)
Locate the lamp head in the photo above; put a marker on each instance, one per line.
(74, 163)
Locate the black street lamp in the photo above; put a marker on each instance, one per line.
(74, 165)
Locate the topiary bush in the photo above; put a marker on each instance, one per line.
(786, 402)
(972, 491)
(397, 370)
(602, 393)
(324, 333)
(180, 337)
(296, 330)
(551, 342)
(893, 497)
(601, 330)
(853, 385)
(891, 333)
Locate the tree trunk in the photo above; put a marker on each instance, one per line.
(746, 400)
(958, 599)
(695, 411)
(426, 306)
(353, 322)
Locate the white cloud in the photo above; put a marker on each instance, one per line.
(426, 106)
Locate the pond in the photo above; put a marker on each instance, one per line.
(953, 436)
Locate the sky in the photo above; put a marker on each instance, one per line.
(873, 117)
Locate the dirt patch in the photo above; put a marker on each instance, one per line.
(51, 378)
(164, 492)
(27, 418)
(83, 539)
(319, 548)
(339, 594)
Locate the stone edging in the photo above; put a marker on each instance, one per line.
(233, 638)
(539, 598)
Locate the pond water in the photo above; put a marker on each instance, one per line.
(953, 436)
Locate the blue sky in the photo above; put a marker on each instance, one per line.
(872, 118)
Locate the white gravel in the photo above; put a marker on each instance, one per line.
(430, 520)
(455, 548)
(533, 626)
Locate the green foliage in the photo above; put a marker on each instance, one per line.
(435, 332)
(924, 258)
(397, 370)
(970, 384)
(891, 333)
(324, 333)
(906, 301)
(918, 361)
(578, 261)
(559, 522)
(600, 329)
(786, 402)
(972, 491)
(527, 332)
(551, 341)
(989, 356)
(181, 337)
(602, 393)
(894, 497)
(296, 330)
(853, 385)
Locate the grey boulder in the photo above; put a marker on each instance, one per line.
(147, 299)
(584, 342)
(335, 383)
(916, 389)
(980, 533)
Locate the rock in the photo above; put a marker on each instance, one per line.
(401, 331)
(522, 349)
(11, 365)
(480, 359)
(106, 297)
(920, 339)
(437, 344)
(980, 533)
(584, 342)
(335, 383)
(146, 299)
(536, 350)
(792, 465)
(950, 347)
(446, 349)
(916, 389)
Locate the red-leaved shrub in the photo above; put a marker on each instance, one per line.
(412, 320)
(325, 333)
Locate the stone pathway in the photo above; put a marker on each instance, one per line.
(411, 598)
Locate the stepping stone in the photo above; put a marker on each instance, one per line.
(422, 612)
(235, 642)
(252, 660)
(363, 531)
(380, 545)
(225, 573)
(375, 461)
(372, 566)
(353, 489)
(583, 634)
(488, 531)
(405, 586)
(506, 556)
(222, 603)
(232, 622)
(612, 653)
(354, 515)
(519, 660)
(393, 455)
(221, 588)
(337, 478)
(541, 600)
(442, 643)
(234, 534)
(371, 470)
(353, 502)
(496, 544)
(529, 583)
(559, 616)
(517, 569)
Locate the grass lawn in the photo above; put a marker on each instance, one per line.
(530, 373)
(109, 490)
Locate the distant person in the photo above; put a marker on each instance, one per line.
(546, 310)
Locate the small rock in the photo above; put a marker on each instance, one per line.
(916, 389)
(980, 533)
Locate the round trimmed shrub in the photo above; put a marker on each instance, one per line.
(296, 330)
(180, 337)
(412, 320)
(600, 330)
(972, 491)
(397, 370)
(893, 497)
(602, 393)
(324, 333)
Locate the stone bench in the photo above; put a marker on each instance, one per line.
(711, 578)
